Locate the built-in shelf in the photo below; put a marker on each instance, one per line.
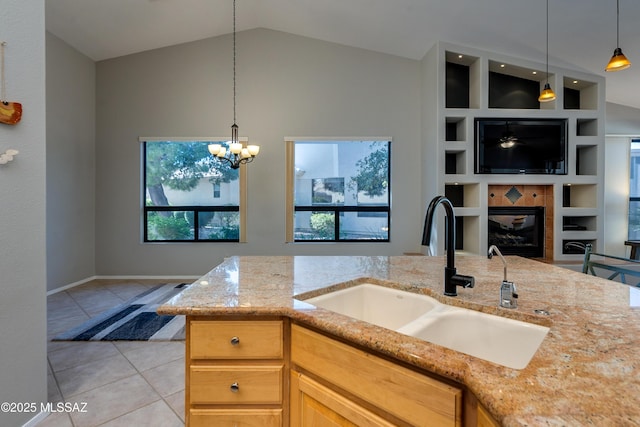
(579, 223)
(575, 246)
(456, 129)
(462, 76)
(475, 84)
(463, 195)
(586, 127)
(514, 87)
(455, 162)
(467, 226)
(580, 94)
(587, 159)
(580, 196)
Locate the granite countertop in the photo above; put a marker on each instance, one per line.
(584, 373)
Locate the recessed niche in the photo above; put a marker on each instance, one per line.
(455, 162)
(462, 77)
(576, 246)
(465, 226)
(457, 92)
(463, 195)
(513, 87)
(580, 94)
(587, 127)
(579, 196)
(586, 160)
(579, 223)
(455, 129)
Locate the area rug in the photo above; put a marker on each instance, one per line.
(134, 320)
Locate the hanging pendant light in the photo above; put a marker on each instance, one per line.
(238, 154)
(618, 61)
(547, 93)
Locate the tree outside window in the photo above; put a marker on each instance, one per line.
(341, 190)
(179, 205)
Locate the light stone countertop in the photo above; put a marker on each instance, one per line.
(584, 373)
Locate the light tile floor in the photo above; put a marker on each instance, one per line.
(123, 383)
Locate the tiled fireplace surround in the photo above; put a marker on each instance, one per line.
(530, 195)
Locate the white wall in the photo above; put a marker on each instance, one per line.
(70, 164)
(23, 372)
(287, 86)
(616, 196)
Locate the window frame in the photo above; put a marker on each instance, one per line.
(291, 208)
(145, 210)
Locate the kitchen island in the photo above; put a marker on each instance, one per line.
(584, 372)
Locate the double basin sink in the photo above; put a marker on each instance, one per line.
(500, 340)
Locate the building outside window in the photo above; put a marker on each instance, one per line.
(338, 190)
(634, 191)
(178, 204)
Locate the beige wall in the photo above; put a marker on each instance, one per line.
(287, 86)
(23, 363)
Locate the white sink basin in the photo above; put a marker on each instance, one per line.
(500, 340)
(382, 306)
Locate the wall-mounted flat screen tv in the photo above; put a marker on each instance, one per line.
(521, 146)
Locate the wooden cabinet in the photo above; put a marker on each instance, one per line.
(265, 373)
(485, 419)
(236, 372)
(397, 394)
(313, 404)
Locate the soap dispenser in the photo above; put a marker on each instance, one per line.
(508, 293)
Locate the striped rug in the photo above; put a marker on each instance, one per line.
(134, 320)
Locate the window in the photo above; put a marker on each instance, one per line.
(178, 203)
(634, 191)
(338, 191)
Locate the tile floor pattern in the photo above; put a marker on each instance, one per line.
(124, 383)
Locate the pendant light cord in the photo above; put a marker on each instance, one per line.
(547, 41)
(617, 23)
(234, 62)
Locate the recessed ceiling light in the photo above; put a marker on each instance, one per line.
(575, 82)
(502, 65)
(459, 56)
(534, 72)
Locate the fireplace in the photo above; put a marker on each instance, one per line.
(517, 230)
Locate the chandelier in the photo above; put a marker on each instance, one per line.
(237, 154)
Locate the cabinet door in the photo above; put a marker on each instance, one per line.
(485, 419)
(408, 395)
(314, 405)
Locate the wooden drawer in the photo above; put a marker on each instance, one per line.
(211, 339)
(415, 398)
(235, 418)
(255, 384)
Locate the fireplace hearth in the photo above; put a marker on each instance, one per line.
(517, 230)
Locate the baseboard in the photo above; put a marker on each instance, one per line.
(71, 285)
(37, 419)
(100, 277)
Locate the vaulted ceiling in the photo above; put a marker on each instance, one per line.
(582, 33)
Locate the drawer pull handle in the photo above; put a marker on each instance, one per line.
(235, 341)
(234, 388)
